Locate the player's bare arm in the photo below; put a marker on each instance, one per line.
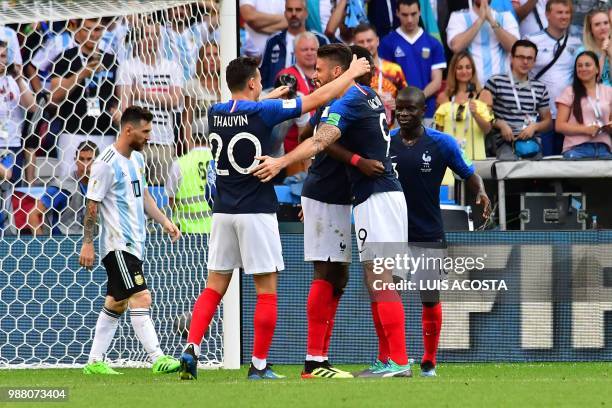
(476, 185)
(371, 168)
(86, 259)
(336, 87)
(153, 211)
(270, 167)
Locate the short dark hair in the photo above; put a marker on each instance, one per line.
(523, 43)
(339, 53)
(408, 3)
(86, 146)
(239, 71)
(363, 27)
(550, 3)
(135, 114)
(360, 52)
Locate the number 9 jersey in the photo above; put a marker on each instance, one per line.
(239, 131)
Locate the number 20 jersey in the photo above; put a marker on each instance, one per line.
(239, 131)
(362, 121)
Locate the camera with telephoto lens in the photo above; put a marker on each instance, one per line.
(289, 81)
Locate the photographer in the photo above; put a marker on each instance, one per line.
(15, 98)
(299, 78)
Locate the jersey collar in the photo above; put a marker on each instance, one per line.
(411, 40)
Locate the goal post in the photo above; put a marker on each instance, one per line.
(167, 56)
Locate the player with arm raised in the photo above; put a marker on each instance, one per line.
(420, 157)
(117, 190)
(244, 227)
(379, 209)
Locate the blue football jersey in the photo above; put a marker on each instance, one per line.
(361, 118)
(420, 169)
(327, 179)
(239, 131)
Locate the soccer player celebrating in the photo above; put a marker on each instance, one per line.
(379, 209)
(244, 227)
(117, 190)
(420, 157)
(326, 207)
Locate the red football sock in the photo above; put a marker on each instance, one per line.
(203, 312)
(330, 323)
(320, 298)
(431, 320)
(392, 319)
(383, 345)
(265, 323)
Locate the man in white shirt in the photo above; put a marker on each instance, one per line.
(155, 83)
(486, 33)
(263, 18)
(531, 14)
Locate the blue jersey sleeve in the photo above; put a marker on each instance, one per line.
(438, 58)
(456, 158)
(341, 113)
(385, 49)
(55, 199)
(275, 111)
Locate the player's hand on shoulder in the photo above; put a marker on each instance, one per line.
(87, 256)
(172, 230)
(277, 92)
(268, 168)
(359, 67)
(371, 168)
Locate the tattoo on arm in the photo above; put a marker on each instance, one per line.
(325, 136)
(90, 220)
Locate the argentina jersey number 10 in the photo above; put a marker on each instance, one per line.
(214, 137)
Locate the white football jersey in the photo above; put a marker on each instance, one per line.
(118, 184)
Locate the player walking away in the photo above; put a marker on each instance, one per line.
(326, 209)
(420, 157)
(379, 209)
(118, 189)
(244, 227)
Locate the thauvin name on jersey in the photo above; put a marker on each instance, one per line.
(230, 121)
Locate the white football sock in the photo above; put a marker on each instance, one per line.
(259, 363)
(319, 359)
(145, 331)
(103, 336)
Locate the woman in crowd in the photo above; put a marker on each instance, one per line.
(462, 110)
(596, 38)
(584, 112)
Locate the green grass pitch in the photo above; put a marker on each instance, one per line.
(458, 385)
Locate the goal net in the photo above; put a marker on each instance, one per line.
(68, 70)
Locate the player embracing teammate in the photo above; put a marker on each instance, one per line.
(244, 226)
(358, 120)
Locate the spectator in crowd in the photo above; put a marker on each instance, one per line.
(280, 52)
(203, 90)
(463, 110)
(182, 38)
(15, 99)
(150, 81)
(388, 77)
(382, 15)
(83, 88)
(319, 13)
(61, 206)
(554, 66)
(520, 105)
(419, 54)
(9, 36)
(263, 18)
(596, 38)
(487, 34)
(584, 112)
(335, 29)
(306, 46)
(190, 186)
(532, 16)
